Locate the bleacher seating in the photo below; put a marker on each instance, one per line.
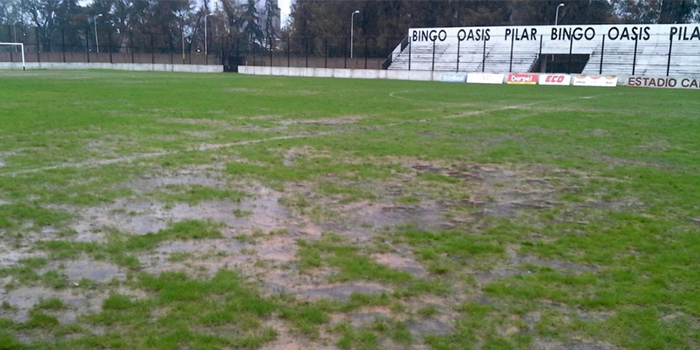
(495, 57)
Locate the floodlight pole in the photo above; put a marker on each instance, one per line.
(97, 39)
(556, 17)
(352, 30)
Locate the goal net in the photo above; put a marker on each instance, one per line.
(10, 51)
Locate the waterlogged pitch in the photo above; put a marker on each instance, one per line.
(183, 211)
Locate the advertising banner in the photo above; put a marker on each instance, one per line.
(595, 80)
(454, 77)
(554, 79)
(485, 78)
(662, 82)
(522, 78)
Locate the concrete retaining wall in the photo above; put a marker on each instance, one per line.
(158, 67)
(342, 73)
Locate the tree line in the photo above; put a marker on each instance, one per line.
(325, 24)
(147, 24)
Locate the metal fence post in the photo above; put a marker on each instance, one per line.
(459, 42)
(571, 50)
(306, 52)
(270, 43)
(38, 46)
(111, 46)
(483, 58)
(223, 52)
(668, 65)
(253, 44)
(87, 43)
(539, 54)
(131, 43)
(366, 53)
(63, 45)
(345, 52)
(602, 54)
(512, 45)
(634, 58)
(409, 53)
(153, 51)
(325, 52)
(9, 40)
(432, 67)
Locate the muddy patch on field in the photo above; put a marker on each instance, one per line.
(345, 120)
(542, 344)
(214, 123)
(77, 301)
(401, 263)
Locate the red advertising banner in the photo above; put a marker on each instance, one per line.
(522, 78)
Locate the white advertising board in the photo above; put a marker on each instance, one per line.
(662, 82)
(485, 78)
(595, 80)
(554, 79)
(454, 77)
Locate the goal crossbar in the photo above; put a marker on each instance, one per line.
(22, 47)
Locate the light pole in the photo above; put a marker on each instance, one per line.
(556, 18)
(97, 40)
(352, 30)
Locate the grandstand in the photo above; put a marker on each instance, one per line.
(600, 49)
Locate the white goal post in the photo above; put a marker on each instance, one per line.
(21, 47)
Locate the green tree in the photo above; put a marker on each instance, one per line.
(272, 14)
(251, 23)
(656, 11)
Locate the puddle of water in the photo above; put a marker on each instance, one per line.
(429, 327)
(77, 301)
(143, 217)
(287, 283)
(151, 183)
(427, 215)
(12, 256)
(98, 271)
(541, 344)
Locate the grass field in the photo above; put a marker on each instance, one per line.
(183, 211)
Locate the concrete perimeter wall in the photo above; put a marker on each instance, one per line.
(688, 82)
(342, 73)
(158, 67)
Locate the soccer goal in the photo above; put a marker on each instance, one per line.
(21, 46)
